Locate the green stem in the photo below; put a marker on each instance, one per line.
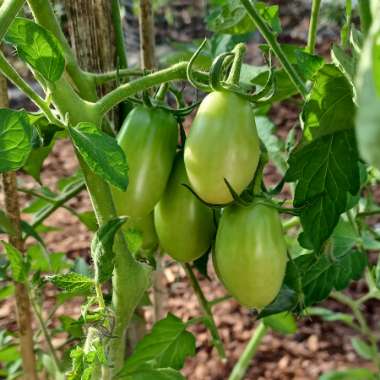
(99, 296)
(8, 11)
(206, 310)
(43, 12)
(101, 78)
(368, 213)
(58, 203)
(365, 15)
(219, 300)
(11, 74)
(313, 26)
(346, 29)
(290, 223)
(275, 46)
(119, 36)
(46, 335)
(121, 93)
(234, 76)
(240, 368)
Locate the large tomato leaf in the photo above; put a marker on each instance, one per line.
(167, 345)
(326, 170)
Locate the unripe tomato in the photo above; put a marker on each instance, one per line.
(223, 143)
(149, 139)
(250, 253)
(184, 225)
(145, 226)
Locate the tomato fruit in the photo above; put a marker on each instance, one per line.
(149, 139)
(145, 226)
(250, 253)
(223, 143)
(184, 225)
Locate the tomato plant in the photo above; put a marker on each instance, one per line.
(288, 213)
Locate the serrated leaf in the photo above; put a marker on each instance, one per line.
(38, 47)
(324, 176)
(167, 345)
(102, 154)
(18, 265)
(15, 139)
(102, 249)
(73, 282)
(362, 348)
(329, 108)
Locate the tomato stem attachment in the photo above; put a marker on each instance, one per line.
(239, 52)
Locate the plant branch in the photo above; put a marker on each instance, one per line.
(365, 15)
(206, 310)
(8, 11)
(175, 72)
(240, 368)
(311, 38)
(119, 36)
(101, 78)
(275, 46)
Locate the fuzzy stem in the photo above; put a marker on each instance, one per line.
(119, 36)
(240, 368)
(206, 310)
(313, 26)
(234, 76)
(175, 72)
(275, 46)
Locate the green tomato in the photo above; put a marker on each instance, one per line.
(149, 138)
(184, 225)
(145, 226)
(223, 143)
(250, 253)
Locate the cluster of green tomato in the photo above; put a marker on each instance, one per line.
(249, 252)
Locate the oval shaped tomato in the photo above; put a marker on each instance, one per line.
(223, 143)
(184, 225)
(149, 138)
(145, 226)
(250, 253)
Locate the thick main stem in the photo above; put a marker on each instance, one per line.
(311, 39)
(147, 36)
(275, 46)
(23, 311)
(365, 15)
(241, 367)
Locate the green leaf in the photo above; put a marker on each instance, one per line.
(349, 374)
(9, 354)
(156, 374)
(283, 323)
(35, 161)
(286, 300)
(102, 249)
(6, 224)
(45, 261)
(6, 291)
(231, 18)
(102, 154)
(17, 262)
(362, 348)
(73, 282)
(324, 176)
(38, 47)
(329, 107)
(345, 62)
(134, 238)
(167, 345)
(15, 139)
(73, 327)
(88, 218)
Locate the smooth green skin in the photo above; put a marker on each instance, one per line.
(223, 143)
(149, 138)
(250, 253)
(145, 225)
(184, 225)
